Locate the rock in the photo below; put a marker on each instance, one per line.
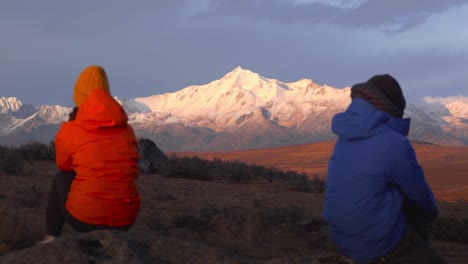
(152, 159)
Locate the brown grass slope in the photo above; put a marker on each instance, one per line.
(446, 168)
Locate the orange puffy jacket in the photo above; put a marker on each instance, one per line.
(101, 148)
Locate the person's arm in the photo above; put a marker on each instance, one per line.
(63, 148)
(408, 175)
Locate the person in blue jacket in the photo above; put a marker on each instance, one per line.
(377, 201)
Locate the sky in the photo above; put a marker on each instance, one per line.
(153, 47)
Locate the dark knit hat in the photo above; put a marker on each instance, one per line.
(382, 91)
(390, 87)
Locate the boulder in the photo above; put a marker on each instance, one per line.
(152, 159)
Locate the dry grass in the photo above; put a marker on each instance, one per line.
(445, 167)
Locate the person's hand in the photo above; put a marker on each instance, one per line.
(72, 114)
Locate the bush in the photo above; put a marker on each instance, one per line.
(314, 185)
(221, 220)
(190, 168)
(450, 229)
(283, 216)
(38, 151)
(11, 160)
(19, 228)
(238, 172)
(195, 222)
(153, 160)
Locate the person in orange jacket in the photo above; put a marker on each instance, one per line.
(96, 152)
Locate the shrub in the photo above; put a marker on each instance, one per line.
(238, 172)
(190, 168)
(450, 229)
(221, 220)
(153, 160)
(195, 222)
(19, 228)
(11, 160)
(314, 185)
(292, 216)
(38, 151)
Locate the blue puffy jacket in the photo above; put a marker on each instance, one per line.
(372, 169)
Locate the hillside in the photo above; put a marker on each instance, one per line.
(192, 221)
(445, 167)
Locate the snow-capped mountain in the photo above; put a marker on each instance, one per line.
(244, 110)
(8, 104)
(20, 123)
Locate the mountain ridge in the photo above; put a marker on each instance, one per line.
(241, 110)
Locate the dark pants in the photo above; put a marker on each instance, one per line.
(415, 246)
(412, 249)
(416, 219)
(57, 214)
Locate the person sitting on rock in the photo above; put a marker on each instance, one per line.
(377, 201)
(97, 154)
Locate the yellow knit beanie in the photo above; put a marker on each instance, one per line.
(93, 77)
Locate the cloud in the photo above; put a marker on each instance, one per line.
(396, 15)
(388, 16)
(334, 3)
(445, 100)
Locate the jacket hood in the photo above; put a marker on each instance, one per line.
(363, 120)
(100, 111)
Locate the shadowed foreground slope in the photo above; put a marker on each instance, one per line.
(193, 221)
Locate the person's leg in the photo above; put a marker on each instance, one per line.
(55, 217)
(83, 227)
(416, 220)
(413, 249)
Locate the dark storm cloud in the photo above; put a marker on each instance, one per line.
(390, 16)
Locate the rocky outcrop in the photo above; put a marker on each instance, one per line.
(152, 159)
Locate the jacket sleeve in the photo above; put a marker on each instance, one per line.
(63, 148)
(408, 175)
(134, 145)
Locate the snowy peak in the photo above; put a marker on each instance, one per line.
(439, 107)
(263, 88)
(18, 117)
(53, 114)
(458, 109)
(9, 104)
(240, 91)
(47, 113)
(242, 77)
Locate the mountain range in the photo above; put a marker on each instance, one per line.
(242, 110)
